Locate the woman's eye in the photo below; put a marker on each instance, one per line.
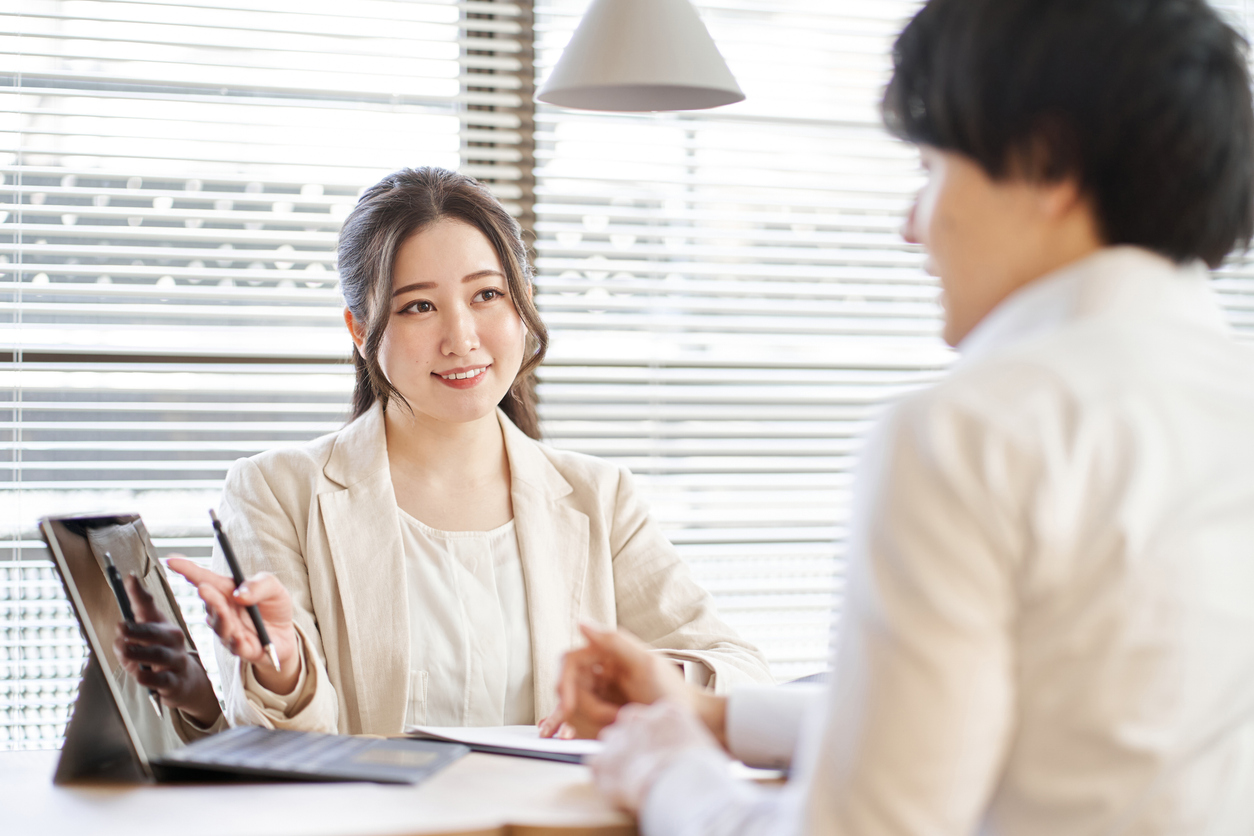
(488, 294)
(419, 307)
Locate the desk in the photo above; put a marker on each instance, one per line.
(480, 795)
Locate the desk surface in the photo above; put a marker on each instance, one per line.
(486, 795)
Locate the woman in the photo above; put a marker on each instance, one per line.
(429, 563)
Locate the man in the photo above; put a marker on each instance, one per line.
(1049, 624)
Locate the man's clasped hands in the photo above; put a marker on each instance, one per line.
(639, 704)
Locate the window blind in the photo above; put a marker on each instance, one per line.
(174, 175)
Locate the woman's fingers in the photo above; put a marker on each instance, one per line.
(270, 596)
(164, 682)
(153, 656)
(159, 664)
(120, 651)
(144, 605)
(229, 622)
(226, 611)
(198, 576)
(568, 684)
(163, 633)
(262, 589)
(550, 725)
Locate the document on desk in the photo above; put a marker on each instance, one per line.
(521, 741)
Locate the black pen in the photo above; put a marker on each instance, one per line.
(238, 575)
(128, 615)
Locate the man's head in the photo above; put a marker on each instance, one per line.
(1138, 112)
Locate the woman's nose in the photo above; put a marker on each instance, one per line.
(460, 336)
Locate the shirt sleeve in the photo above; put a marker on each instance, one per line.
(763, 724)
(281, 708)
(189, 730)
(264, 537)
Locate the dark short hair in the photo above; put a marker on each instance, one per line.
(387, 214)
(1145, 102)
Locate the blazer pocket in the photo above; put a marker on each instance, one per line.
(416, 712)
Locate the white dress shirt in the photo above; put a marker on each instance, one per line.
(1049, 624)
(470, 646)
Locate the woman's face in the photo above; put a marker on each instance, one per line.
(454, 342)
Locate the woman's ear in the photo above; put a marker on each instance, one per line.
(356, 330)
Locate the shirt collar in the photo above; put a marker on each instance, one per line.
(1123, 281)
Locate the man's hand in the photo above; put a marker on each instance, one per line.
(642, 744)
(616, 668)
(171, 671)
(227, 613)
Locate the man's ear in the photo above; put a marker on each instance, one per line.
(356, 330)
(1059, 198)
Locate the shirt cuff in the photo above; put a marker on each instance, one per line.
(763, 723)
(696, 794)
(281, 706)
(697, 671)
(189, 729)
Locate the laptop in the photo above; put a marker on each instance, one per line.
(118, 731)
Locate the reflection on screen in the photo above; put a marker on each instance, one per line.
(82, 543)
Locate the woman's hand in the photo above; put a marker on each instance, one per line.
(227, 613)
(171, 671)
(615, 668)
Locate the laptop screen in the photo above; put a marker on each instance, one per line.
(79, 545)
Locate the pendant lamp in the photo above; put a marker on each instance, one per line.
(640, 55)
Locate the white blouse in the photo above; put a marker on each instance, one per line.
(470, 638)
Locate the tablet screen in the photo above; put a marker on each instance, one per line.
(78, 545)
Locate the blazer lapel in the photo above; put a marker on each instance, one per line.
(553, 545)
(365, 539)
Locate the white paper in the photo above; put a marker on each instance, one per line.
(522, 738)
(527, 739)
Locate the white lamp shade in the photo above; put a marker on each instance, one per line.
(640, 55)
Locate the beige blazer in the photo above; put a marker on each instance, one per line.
(322, 517)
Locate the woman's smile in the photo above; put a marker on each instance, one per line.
(463, 378)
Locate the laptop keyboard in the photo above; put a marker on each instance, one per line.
(252, 747)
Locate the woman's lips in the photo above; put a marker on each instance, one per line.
(463, 382)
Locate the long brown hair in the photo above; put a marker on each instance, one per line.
(387, 214)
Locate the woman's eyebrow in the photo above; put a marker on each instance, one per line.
(478, 274)
(411, 287)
